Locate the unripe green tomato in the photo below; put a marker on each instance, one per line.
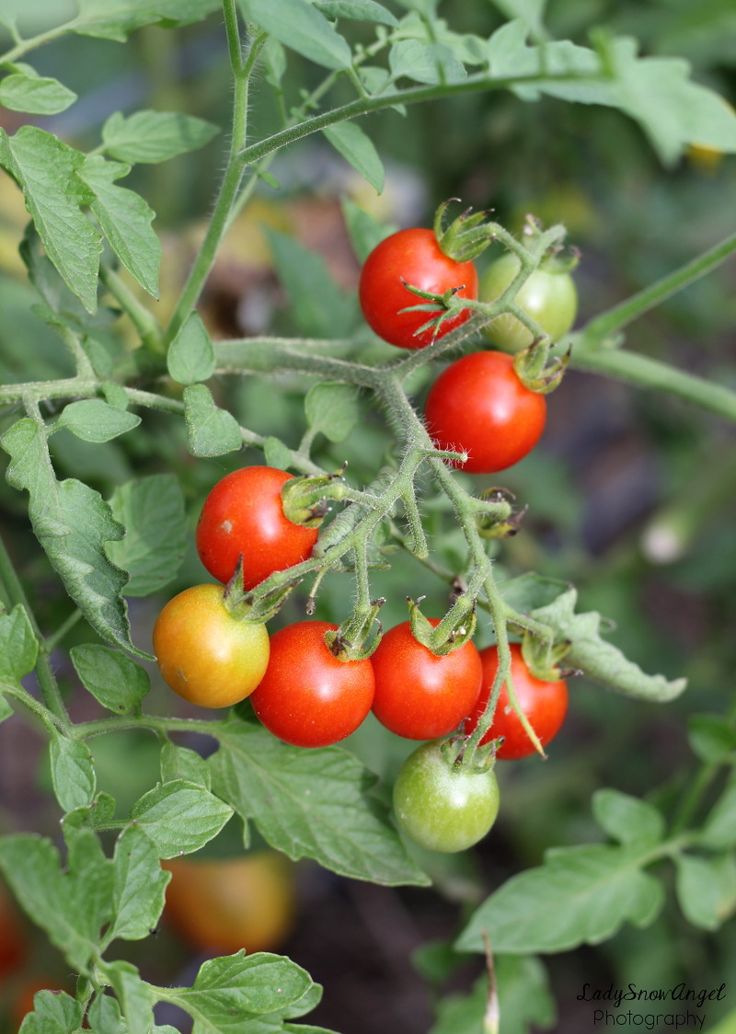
(549, 298)
(441, 807)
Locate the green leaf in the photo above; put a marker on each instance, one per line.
(530, 12)
(364, 230)
(151, 510)
(311, 804)
(531, 591)
(318, 306)
(114, 19)
(154, 136)
(301, 27)
(182, 763)
(357, 10)
(581, 895)
(191, 357)
(46, 171)
(719, 831)
(706, 889)
(54, 1012)
(332, 409)
(712, 737)
(425, 62)
(135, 996)
(276, 453)
(71, 907)
(358, 150)
(627, 819)
(118, 683)
(211, 431)
(93, 420)
(74, 526)
(104, 1016)
(125, 219)
(180, 817)
(139, 886)
(524, 999)
(599, 659)
(35, 94)
(18, 645)
(72, 772)
(228, 991)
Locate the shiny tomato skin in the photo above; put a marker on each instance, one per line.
(440, 807)
(220, 905)
(550, 298)
(308, 696)
(420, 695)
(544, 704)
(206, 655)
(479, 405)
(243, 514)
(415, 256)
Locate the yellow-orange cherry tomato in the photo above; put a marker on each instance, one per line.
(223, 905)
(205, 653)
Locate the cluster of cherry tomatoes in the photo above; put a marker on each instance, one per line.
(479, 405)
(304, 685)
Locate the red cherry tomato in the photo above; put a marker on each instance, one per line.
(419, 694)
(243, 515)
(544, 704)
(308, 696)
(479, 405)
(415, 257)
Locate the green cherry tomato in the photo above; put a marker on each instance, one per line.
(206, 654)
(549, 298)
(441, 807)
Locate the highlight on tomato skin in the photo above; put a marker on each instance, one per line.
(243, 516)
(411, 256)
(308, 697)
(543, 702)
(219, 905)
(479, 405)
(205, 654)
(420, 695)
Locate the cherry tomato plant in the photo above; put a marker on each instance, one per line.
(304, 633)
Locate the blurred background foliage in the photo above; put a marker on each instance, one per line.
(631, 495)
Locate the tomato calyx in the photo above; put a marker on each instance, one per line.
(543, 657)
(455, 629)
(532, 370)
(357, 638)
(467, 236)
(457, 757)
(306, 499)
(496, 517)
(254, 606)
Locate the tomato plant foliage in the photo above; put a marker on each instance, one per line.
(112, 372)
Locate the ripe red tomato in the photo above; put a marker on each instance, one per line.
(413, 256)
(419, 694)
(479, 405)
(221, 905)
(308, 696)
(544, 704)
(243, 515)
(441, 807)
(205, 654)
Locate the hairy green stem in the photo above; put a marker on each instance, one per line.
(142, 318)
(644, 301)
